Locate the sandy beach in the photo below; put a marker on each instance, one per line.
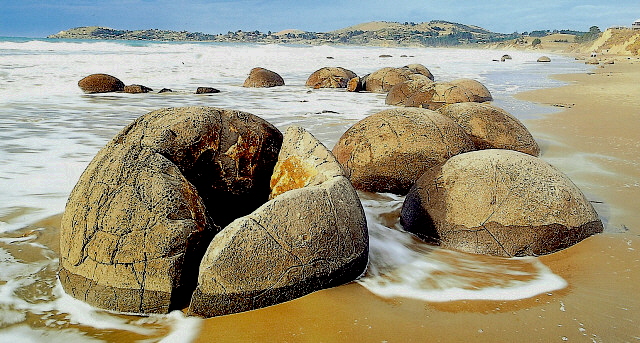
(594, 140)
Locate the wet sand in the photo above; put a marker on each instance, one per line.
(595, 140)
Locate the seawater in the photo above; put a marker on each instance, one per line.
(50, 131)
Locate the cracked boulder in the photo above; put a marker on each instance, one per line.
(142, 214)
(263, 78)
(383, 79)
(498, 202)
(388, 151)
(417, 93)
(100, 83)
(330, 77)
(491, 127)
(311, 235)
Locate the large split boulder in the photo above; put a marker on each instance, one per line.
(140, 218)
(263, 78)
(498, 202)
(491, 127)
(382, 80)
(311, 235)
(100, 83)
(330, 77)
(388, 151)
(418, 93)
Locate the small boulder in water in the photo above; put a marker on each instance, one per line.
(134, 89)
(263, 78)
(100, 83)
(206, 90)
(330, 77)
(544, 59)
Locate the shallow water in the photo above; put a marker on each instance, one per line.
(51, 130)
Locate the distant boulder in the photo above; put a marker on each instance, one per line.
(505, 57)
(498, 202)
(206, 90)
(355, 85)
(311, 235)
(260, 77)
(389, 150)
(592, 60)
(101, 83)
(133, 89)
(330, 77)
(491, 127)
(544, 59)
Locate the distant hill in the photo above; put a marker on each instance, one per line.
(433, 33)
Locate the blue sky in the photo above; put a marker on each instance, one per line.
(39, 18)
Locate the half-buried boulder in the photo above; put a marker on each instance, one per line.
(311, 235)
(330, 77)
(263, 78)
(100, 83)
(383, 79)
(418, 93)
(498, 202)
(388, 151)
(491, 127)
(140, 218)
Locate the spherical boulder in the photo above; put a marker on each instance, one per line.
(498, 202)
(491, 127)
(100, 83)
(263, 78)
(138, 221)
(382, 80)
(389, 150)
(330, 77)
(419, 93)
(311, 235)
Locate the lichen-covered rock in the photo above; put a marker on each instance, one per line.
(498, 202)
(389, 150)
(491, 127)
(135, 89)
(382, 80)
(311, 235)
(418, 93)
(100, 83)
(330, 77)
(263, 78)
(142, 214)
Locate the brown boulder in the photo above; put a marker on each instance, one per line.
(544, 59)
(418, 93)
(207, 90)
(260, 77)
(383, 79)
(354, 85)
(498, 202)
(389, 150)
(330, 77)
(142, 214)
(311, 235)
(100, 83)
(490, 127)
(134, 89)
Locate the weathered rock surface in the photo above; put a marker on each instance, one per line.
(388, 151)
(138, 221)
(491, 127)
(383, 79)
(498, 202)
(100, 83)
(263, 78)
(311, 235)
(330, 77)
(354, 85)
(207, 90)
(417, 92)
(134, 89)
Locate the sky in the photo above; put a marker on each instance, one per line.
(39, 18)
